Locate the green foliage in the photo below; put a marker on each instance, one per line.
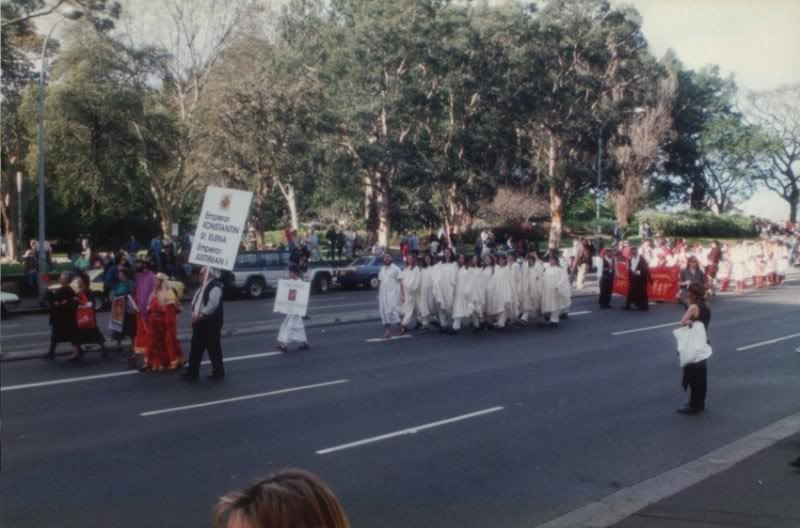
(698, 224)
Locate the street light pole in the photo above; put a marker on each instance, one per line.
(19, 216)
(73, 14)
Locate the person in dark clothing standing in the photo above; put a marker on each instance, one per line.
(695, 375)
(606, 278)
(330, 235)
(207, 320)
(638, 279)
(63, 303)
(340, 242)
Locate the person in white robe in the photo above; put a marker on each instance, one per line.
(389, 294)
(515, 271)
(532, 279)
(445, 287)
(478, 299)
(427, 300)
(500, 296)
(489, 265)
(556, 291)
(293, 330)
(462, 298)
(784, 261)
(410, 292)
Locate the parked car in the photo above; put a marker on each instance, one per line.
(96, 280)
(363, 271)
(256, 272)
(8, 303)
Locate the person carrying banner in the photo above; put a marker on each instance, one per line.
(293, 330)
(207, 320)
(639, 278)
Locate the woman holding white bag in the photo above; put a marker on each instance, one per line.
(695, 375)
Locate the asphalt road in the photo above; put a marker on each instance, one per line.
(500, 429)
(32, 332)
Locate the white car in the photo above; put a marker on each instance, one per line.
(8, 302)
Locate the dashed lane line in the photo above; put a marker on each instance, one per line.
(410, 430)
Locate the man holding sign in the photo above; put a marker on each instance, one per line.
(216, 244)
(292, 299)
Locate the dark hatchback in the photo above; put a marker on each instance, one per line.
(363, 271)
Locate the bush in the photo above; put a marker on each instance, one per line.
(526, 231)
(698, 224)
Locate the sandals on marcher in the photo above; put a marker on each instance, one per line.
(282, 347)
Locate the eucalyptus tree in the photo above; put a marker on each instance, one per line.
(777, 113)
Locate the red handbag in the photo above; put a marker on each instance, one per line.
(85, 314)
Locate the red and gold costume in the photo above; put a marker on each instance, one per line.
(163, 348)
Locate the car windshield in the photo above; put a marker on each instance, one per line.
(362, 261)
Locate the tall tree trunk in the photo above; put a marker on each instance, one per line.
(10, 216)
(287, 190)
(794, 201)
(556, 217)
(370, 214)
(383, 210)
(556, 195)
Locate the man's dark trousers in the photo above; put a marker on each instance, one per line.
(206, 335)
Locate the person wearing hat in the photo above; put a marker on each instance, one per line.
(207, 320)
(292, 330)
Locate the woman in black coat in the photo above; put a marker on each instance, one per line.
(63, 303)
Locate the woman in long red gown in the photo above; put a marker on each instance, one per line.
(163, 348)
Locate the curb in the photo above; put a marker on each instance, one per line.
(316, 322)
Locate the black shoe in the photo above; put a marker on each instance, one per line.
(50, 356)
(564, 316)
(691, 411)
(796, 463)
(626, 307)
(189, 377)
(305, 346)
(215, 376)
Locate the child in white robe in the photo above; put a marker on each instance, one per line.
(427, 300)
(478, 301)
(445, 287)
(293, 330)
(532, 277)
(389, 295)
(556, 291)
(500, 296)
(410, 290)
(462, 299)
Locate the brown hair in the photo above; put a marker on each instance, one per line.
(697, 291)
(290, 498)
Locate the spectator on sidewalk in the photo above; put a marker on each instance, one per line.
(291, 498)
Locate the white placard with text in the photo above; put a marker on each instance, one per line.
(220, 227)
(292, 297)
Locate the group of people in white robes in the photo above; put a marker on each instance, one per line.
(492, 291)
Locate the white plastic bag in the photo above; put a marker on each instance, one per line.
(693, 344)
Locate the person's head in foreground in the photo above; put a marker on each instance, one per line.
(291, 498)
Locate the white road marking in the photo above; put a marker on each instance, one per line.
(383, 339)
(5, 325)
(242, 398)
(769, 342)
(646, 328)
(611, 509)
(26, 335)
(117, 374)
(580, 313)
(320, 307)
(410, 430)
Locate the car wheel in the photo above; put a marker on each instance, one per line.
(255, 288)
(322, 284)
(373, 283)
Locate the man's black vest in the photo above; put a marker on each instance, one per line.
(217, 316)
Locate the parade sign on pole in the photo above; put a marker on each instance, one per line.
(220, 227)
(292, 297)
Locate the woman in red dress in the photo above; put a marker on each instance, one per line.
(163, 348)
